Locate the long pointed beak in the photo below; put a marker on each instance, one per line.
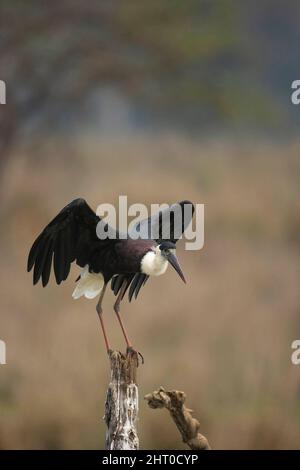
(174, 262)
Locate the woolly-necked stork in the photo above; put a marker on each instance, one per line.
(72, 236)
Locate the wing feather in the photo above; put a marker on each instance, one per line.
(40, 259)
(141, 282)
(162, 224)
(70, 236)
(33, 252)
(129, 279)
(47, 266)
(163, 219)
(59, 258)
(134, 284)
(67, 252)
(117, 283)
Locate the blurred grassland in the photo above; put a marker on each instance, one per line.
(225, 338)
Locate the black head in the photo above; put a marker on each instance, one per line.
(165, 247)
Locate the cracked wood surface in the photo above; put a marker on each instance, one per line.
(121, 406)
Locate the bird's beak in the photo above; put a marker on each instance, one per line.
(174, 262)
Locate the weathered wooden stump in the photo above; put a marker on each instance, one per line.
(121, 406)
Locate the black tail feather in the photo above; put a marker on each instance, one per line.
(134, 281)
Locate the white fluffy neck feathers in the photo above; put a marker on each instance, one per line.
(153, 263)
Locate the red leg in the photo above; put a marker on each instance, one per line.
(100, 312)
(117, 310)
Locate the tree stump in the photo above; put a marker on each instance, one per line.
(121, 406)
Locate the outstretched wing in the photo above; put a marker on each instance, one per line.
(167, 225)
(70, 236)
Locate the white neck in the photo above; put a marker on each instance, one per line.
(153, 263)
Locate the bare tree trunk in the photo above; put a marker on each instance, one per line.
(121, 406)
(188, 426)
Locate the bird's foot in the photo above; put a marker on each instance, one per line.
(109, 352)
(131, 350)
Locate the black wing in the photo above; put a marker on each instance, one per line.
(164, 225)
(164, 219)
(70, 236)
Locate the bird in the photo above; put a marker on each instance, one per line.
(125, 262)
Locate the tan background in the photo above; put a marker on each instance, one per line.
(224, 338)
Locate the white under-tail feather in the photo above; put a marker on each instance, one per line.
(90, 284)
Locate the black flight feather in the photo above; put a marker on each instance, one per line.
(129, 279)
(47, 265)
(134, 284)
(33, 252)
(70, 236)
(141, 281)
(40, 259)
(118, 281)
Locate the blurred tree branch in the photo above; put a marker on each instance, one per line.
(188, 426)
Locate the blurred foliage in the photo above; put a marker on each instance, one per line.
(196, 62)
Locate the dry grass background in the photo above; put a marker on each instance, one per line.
(224, 338)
